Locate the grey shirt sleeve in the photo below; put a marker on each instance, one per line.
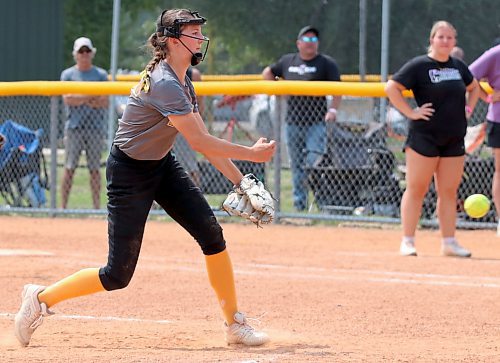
(168, 98)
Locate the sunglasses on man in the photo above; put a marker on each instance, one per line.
(309, 39)
(84, 50)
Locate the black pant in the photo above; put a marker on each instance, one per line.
(132, 186)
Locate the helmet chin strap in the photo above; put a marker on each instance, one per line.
(197, 57)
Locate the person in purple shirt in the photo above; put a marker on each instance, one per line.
(487, 67)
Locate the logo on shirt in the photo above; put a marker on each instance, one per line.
(302, 69)
(445, 74)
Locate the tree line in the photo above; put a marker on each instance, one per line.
(245, 36)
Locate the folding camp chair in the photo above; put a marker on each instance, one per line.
(21, 164)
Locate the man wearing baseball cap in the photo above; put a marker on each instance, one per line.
(307, 29)
(83, 42)
(85, 127)
(306, 115)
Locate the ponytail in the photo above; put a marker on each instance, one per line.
(159, 49)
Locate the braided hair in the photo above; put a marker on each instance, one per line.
(157, 43)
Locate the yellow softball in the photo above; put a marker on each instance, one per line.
(477, 205)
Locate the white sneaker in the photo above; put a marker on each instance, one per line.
(30, 315)
(454, 249)
(498, 229)
(240, 332)
(407, 248)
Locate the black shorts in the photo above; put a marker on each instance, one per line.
(493, 134)
(428, 145)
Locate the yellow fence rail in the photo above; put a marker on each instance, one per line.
(308, 88)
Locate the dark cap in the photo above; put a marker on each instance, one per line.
(307, 29)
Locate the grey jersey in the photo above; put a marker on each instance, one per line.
(144, 132)
(84, 116)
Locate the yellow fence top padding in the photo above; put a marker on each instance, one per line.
(55, 88)
(308, 88)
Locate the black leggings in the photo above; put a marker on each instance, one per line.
(132, 186)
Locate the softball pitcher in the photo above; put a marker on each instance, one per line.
(140, 169)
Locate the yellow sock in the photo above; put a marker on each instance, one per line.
(220, 274)
(83, 282)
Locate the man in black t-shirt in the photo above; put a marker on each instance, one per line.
(306, 115)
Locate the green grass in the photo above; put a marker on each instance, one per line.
(81, 197)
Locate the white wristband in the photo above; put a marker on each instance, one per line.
(332, 110)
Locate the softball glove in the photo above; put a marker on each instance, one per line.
(250, 200)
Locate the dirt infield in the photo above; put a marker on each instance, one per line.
(328, 294)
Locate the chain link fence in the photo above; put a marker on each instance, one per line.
(351, 169)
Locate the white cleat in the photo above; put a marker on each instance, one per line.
(454, 249)
(407, 248)
(240, 332)
(30, 315)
